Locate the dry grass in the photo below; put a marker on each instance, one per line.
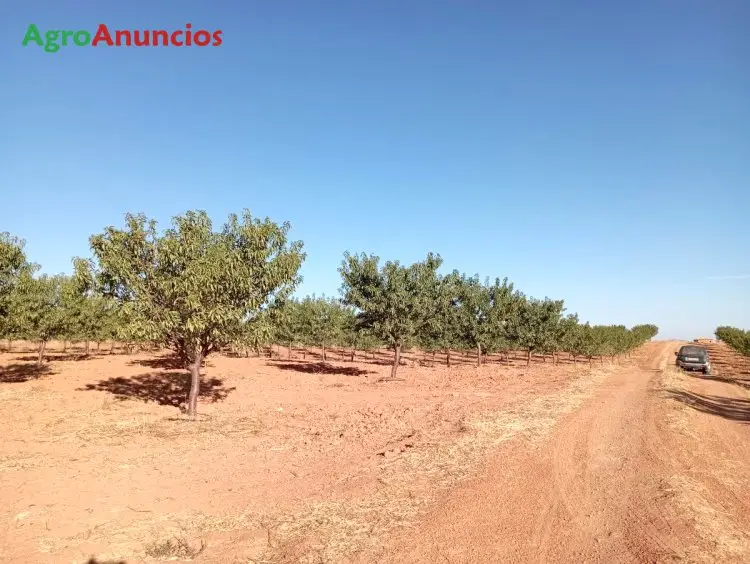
(172, 549)
(722, 540)
(105, 429)
(677, 414)
(432, 429)
(330, 531)
(713, 526)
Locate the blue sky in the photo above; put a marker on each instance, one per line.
(593, 151)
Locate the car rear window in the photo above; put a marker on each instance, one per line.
(692, 351)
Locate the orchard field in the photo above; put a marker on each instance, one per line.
(288, 459)
(172, 399)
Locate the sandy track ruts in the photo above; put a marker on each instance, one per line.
(613, 483)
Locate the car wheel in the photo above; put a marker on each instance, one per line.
(707, 371)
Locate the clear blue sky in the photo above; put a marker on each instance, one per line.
(593, 151)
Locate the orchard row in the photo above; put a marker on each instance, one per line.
(199, 291)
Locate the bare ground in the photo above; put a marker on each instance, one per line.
(318, 461)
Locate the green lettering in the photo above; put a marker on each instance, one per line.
(51, 36)
(65, 36)
(32, 34)
(82, 38)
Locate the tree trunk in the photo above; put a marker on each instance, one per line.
(479, 354)
(65, 346)
(304, 353)
(87, 347)
(575, 359)
(98, 344)
(42, 346)
(324, 354)
(396, 360)
(528, 358)
(591, 362)
(290, 350)
(448, 358)
(10, 345)
(354, 352)
(195, 384)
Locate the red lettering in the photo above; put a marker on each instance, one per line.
(202, 38)
(141, 41)
(175, 42)
(119, 35)
(102, 34)
(217, 38)
(160, 33)
(188, 35)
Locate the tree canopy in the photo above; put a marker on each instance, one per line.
(193, 288)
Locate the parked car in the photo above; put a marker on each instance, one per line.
(692, 357)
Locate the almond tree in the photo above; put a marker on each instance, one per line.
(535, 328)
(37, 309)
(736, 338)
(474, 321)
(484, 313)
(12, 265)
(191, 288)
(441, 331)
(321, 322)
(565, 334)
(392, 301)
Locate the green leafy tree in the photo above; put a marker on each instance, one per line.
(255, 334)
(287, 328)
(12, 265)
(191, 288)
(321, 322)
(392, 301)
(583, 342)
(348, 335)
(441, 331)
(737, 339)
(535, 329)
(565, 335)
(474, 318)
(37, 311)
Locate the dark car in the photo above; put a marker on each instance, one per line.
(692, 357)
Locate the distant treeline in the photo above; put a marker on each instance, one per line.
(738, 339)
(200, 291)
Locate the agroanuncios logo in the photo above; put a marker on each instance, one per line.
(52, 40)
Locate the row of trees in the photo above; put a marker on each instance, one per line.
(738, 339)
(199, 291)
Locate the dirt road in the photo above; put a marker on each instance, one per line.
(307, 461)
(655, 467)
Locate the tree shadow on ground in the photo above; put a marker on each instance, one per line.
(742, 382)
(15, 373)
(164, 388)
(728, 408)
(320, 368)
(168, 362)
(93, 560)
(59, 357)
